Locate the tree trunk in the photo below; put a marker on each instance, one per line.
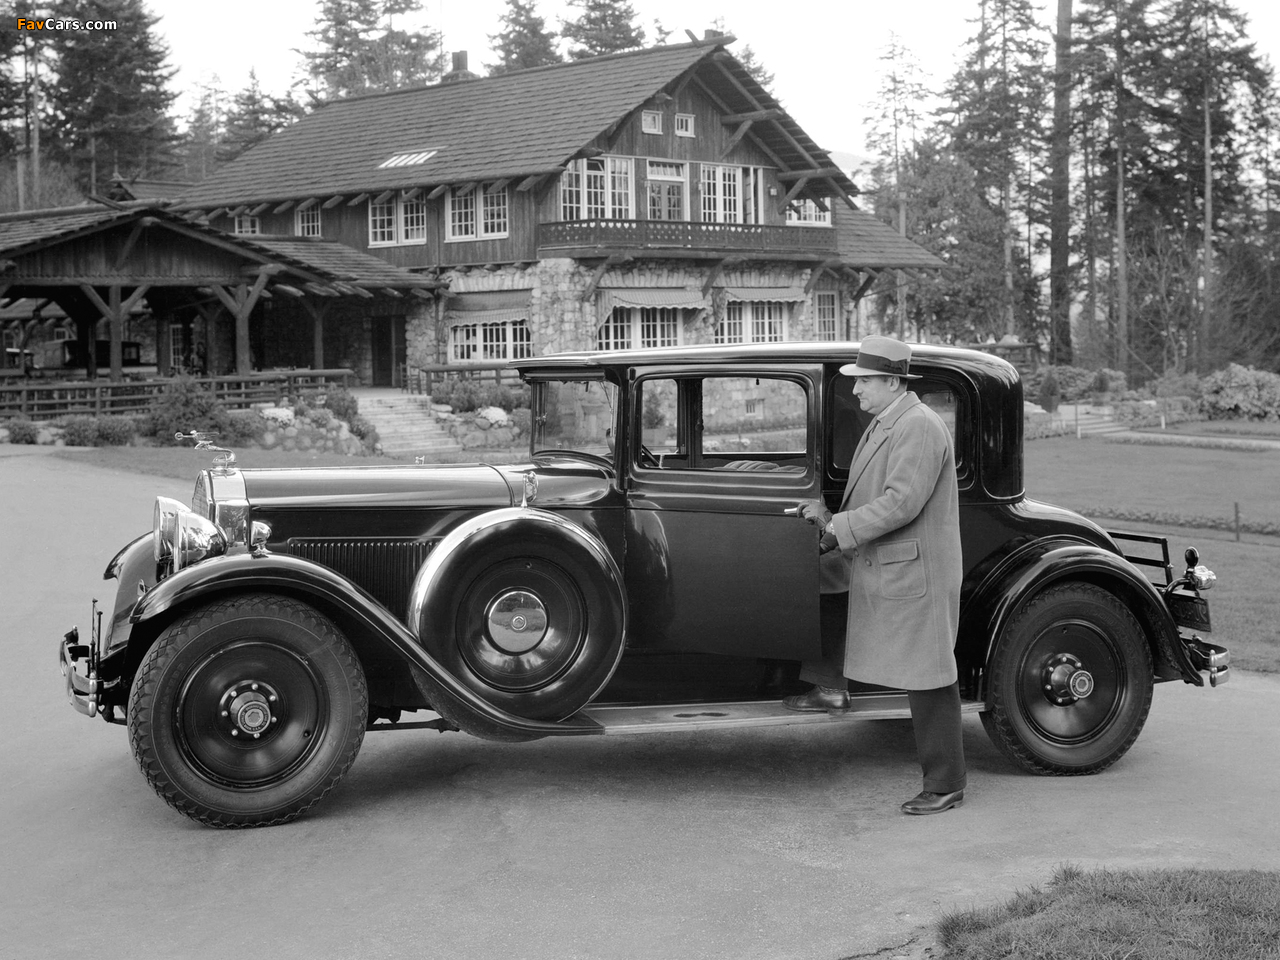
(1060, 195)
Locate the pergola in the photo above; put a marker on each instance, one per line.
(101, 260)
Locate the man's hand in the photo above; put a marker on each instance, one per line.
(815, 511)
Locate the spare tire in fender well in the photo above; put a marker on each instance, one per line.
(526, 608)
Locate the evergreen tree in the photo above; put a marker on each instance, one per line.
(252, 117)
(110, 99)
(523, 41)
(203, 137)
(15, 51)
(600, 27)
(747, 57)
(996, 113)
(363, 51)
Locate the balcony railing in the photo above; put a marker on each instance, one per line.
(607, 235)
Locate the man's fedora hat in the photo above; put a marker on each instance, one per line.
(881, 357)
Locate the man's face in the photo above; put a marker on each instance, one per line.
(875, 393)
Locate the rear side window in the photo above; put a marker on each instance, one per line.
(846, 420)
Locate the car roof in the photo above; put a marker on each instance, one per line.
(981, 366)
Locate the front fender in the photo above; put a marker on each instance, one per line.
(329, 590)
(1037, 566)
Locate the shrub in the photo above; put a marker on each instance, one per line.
(342, 403)
(116, 431)
(468, 395)
(1241, 393)
(1074, 383)
(80, 431)
(1049, 394)
(244, 426)
(23, 431)
(522, 419)
(363, 429)
(184, 406)
(320, 417)
(1174, 384)
(1101, 382)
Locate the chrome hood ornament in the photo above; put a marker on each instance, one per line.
(225, 460)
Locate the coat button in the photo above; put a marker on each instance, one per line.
(868, 561)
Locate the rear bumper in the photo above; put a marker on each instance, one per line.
(1205, 656)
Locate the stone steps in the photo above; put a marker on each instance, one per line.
(406, 427)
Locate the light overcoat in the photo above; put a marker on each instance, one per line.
(899, 534)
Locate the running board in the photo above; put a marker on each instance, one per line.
(667, 718)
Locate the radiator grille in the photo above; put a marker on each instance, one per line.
(384, 566)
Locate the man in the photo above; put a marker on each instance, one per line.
(896, 549)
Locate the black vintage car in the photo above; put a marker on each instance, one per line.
(642, 572)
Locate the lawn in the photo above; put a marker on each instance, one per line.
(1170, 914)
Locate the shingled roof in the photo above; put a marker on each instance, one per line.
(516, 124)
(869, 242)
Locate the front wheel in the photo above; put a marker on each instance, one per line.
(246, 712)
(1070, 682)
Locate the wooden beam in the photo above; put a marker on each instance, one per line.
(866, 285)
(308, 203)
(358, 199)
(466, 188)
(384, 196)
(410, 194)
(238, 210)
(127, 247)
(333, 202)
(765, 114)
(217, 212)
(712, 276)
(604, 265)
(821, 173)
(283, 207)
(438, 192)
(499, 185)
(258, 209)
(795, 188)
(743, 129)
(291, 291)
(721, 105)
(530, 183)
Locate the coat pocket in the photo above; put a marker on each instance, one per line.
(901, 570)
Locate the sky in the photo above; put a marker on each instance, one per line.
(823, 53)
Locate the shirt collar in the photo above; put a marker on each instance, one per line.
(885, 412)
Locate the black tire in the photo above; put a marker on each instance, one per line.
(1070, 682)
(246, 712)
(564, 650)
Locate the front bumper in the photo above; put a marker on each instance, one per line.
(81, 666)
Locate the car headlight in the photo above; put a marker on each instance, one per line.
(1202, 577)
(181, 537)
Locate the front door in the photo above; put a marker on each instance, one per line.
(714, 563)
(387, 350)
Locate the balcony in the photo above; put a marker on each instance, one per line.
(684, 239)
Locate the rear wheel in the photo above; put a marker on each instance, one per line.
(1070, 682)
(248, 711)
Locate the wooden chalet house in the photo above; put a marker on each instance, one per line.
(658, 197)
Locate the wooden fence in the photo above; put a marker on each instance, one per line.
(38, 400)
(419, 379)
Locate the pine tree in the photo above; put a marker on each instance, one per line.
(252, 117)
(600, 27)
(523, 41)
(363, 51)
(110, 97)
(202, 138)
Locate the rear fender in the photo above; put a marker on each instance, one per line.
(1037, 566)
(348, 604)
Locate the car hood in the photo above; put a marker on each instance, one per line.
(401, 485)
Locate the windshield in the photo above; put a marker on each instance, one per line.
(575, 416)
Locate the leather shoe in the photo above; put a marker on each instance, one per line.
(925, 802)
(818, 700)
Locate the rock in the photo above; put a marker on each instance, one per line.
(481, 423)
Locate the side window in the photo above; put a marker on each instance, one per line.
(757, 424)
(846, 420)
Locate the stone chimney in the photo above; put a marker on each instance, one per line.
(459, 71)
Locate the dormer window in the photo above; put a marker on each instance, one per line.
(684, 125)
(651, 121)
(306, 223)
(247, 225)
(477, 214)
(411, 159)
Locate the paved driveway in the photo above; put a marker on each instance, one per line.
(773, 844)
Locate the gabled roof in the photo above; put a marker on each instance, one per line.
(869, 242)
(515, 124)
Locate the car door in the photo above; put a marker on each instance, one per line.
(714, 459)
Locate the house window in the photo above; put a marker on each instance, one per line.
(478, 214)
(596, 189)
(306, 223)
(667, 190)
(177, 346)
(408, 159)
(627, 327)
(413, 220)
(651, 121)
(807, 212)
(487, 342)
(758, 321)
(824, 303)
(684, 125)
(247, 225)
(382, 222)
(721, 194)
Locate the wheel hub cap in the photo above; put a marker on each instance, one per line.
(1065, 680)
(516, 621)
(247, 706)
